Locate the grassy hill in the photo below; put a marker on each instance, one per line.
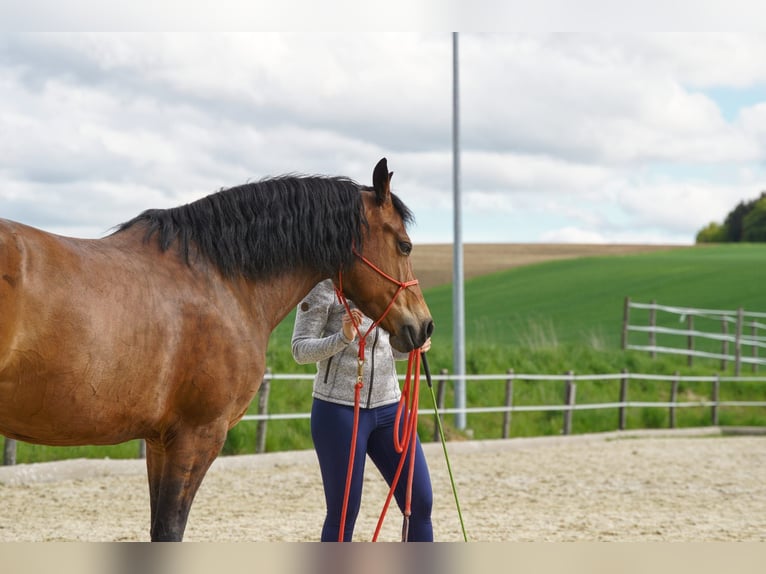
(581, 300)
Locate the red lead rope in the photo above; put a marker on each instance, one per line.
(405, 445)
(410, 425)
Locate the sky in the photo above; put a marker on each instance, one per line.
(574, 137)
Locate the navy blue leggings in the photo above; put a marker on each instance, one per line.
(331, 427)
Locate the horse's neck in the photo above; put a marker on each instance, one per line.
(276, 297)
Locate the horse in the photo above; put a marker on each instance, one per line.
(158, 330)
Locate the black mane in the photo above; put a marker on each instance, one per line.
(261, 229)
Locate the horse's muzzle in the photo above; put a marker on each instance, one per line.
(412, 337)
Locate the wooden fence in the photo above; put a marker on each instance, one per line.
(568, 405)
(729, 336)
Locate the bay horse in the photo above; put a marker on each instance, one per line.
(159, 330)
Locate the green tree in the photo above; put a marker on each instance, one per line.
(754, 223)
(733, 222)
(712, 233)
(746, 222)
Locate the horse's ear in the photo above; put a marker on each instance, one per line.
(381, 182)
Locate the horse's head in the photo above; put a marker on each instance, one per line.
(381, 281)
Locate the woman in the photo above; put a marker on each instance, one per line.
(323, 333)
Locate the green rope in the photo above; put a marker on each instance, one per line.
(444, 444)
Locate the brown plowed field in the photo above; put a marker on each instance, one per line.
(433, 262)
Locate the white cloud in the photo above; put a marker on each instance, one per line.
(701, 60)
(596, 98)
(573, 235)
(680, 207)
(510, 171)
(753, 122)
(618, 237)
(574, 135)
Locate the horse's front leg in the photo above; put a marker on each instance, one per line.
(155, 457)
(175, 474)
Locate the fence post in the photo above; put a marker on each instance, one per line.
(9, 452)
(715, 393)
(653, 326)
(623, 399)
(440, 386)
(725, 343)
(673, 399)
(753, 332)
(625, 323)
(690, 339)
(508, 404)
(570, 390)
(141, 448)
(263, 408)
(738, 343)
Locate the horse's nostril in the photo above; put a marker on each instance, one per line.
(416, 336)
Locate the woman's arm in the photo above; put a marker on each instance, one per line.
(309, 343)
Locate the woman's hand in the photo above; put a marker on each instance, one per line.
(426, 346)
(348, 327)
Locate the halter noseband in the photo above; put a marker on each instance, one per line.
(342, 298)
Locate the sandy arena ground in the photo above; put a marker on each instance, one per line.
(638, 486)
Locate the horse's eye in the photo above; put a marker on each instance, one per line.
(405, 247)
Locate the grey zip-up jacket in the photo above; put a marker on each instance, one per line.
(318, 338)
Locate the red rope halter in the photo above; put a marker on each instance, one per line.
(402, 444)
(342, 298)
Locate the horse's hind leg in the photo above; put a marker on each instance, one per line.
(175, 473)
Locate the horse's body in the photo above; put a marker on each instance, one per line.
(160, 332)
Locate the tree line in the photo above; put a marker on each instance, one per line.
(746, 222)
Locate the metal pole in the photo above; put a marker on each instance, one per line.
(458, 312)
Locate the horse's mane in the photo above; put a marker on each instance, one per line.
(261, 229)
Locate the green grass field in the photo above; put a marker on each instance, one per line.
(580, 301)
(545, 318)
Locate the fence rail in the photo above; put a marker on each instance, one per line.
(747, 326)
(568, 407)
